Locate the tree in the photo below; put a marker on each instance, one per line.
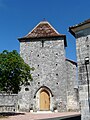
(14, 72)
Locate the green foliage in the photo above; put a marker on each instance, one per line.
(14, 72)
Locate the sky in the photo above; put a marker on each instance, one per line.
(18, 17)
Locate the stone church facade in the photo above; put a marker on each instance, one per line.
(54, 85)
(54, 79)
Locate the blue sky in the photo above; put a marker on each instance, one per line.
(18, 17)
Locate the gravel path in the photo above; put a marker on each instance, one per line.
(35, 116)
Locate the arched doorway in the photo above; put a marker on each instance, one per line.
(44, 100)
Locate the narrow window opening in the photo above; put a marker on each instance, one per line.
(87, 45)
(37, 55)
(56, 74)
(42, 43)
(26, 89)
(38, 82)
(56, 64)
(86, 38)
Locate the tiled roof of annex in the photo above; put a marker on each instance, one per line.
(80, 24)
(43, 29)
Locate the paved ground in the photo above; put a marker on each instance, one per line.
(35, 116)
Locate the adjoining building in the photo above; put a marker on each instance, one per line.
(54, 79)
(82, 34)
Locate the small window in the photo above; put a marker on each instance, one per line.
(56, 64)
(26, 89)
(56, 74)
(42, 43)
(38, 65)
(38, 74)
(37, 55)
(86, 38)
(38, 83)
(87, 45)
(57, 83)
(56, 53)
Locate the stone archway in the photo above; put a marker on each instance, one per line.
(44, 100)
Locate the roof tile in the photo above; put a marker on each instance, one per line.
(43, 29)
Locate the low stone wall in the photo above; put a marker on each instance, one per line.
(8, 102)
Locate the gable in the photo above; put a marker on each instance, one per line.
(43, 30)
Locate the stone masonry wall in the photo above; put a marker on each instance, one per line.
(83, 51)
(25, 99)
(72, 87)
(8, 102)
(50, 70)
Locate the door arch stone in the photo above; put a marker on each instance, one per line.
(43, 98)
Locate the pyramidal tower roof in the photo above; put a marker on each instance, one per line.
(42, 30)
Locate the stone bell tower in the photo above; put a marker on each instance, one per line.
(52, 88)
(44, 49)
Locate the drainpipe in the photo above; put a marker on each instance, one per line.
(87, 63)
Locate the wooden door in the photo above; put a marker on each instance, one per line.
(44, 100)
